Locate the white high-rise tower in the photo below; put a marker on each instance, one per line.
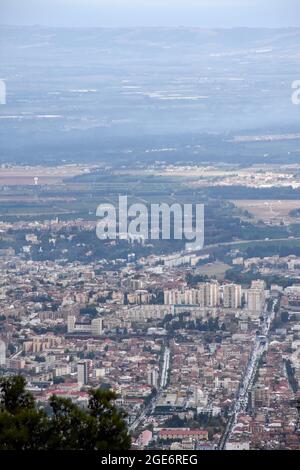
(2, 353)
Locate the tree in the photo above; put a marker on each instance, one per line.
(14, 396)
(284, 316)
(22, 427)
(101, 428)
(68, 427)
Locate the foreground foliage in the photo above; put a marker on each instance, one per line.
(68, 427)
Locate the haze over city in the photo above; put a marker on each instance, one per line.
(149, 228)
(129, 13)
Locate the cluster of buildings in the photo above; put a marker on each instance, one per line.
(175, 350)
(272, 420)
(264, 178)
(211, 294)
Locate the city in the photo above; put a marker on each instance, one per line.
(149, 230)
(196, 363)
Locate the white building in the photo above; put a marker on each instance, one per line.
(255, 300)
(232, 296)
(152, 378)
(145, 312)
(94, 328)
(2, 353)
(71, 320)
(209, 294)
(238, 446)
(206, 295)
(97, 327)
(82, 373)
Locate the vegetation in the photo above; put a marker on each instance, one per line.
(291, 375)
(67, 427)
(239, 275)
(212, 424)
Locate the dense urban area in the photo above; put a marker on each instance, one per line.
(201, 345)
(202, 348)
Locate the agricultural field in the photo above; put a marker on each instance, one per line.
(273, 212)
(39, 175)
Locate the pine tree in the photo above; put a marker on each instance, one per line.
(23, 427)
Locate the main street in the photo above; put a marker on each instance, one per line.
(241, 401)
(150, 407)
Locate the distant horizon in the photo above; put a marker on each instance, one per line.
(211, 14)
(203, 28)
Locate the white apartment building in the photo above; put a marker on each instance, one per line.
(95, 328)
(255, 300)
(152, 377)
(145, 312)
(2, 353)
(232, 296)
(206, 295)
(82, 373)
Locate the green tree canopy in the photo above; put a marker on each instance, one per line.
(68, 427)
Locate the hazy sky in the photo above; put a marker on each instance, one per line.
(203, 13)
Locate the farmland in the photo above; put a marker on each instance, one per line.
(270, 211)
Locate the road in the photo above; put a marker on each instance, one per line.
(240, 242)
(149, 409)
(165, 369)
(16, 354)
(241, 401)
(198, 252)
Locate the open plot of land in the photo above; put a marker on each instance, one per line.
(214, 269)
(270, 211)
(38, 175)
